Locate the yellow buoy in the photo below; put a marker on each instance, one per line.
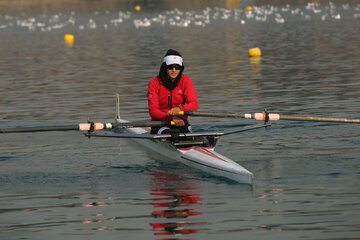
(137, 8)
(249, 8)
(254, 52)
(69, 39)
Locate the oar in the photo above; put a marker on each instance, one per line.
(264, 116)
(88, 126)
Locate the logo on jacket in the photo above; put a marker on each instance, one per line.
(179, 92)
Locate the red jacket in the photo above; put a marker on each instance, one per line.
(161, 99)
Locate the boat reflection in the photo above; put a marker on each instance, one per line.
(178, 199)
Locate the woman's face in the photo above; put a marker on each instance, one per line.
(173, 71)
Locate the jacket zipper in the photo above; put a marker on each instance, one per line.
(170, 99)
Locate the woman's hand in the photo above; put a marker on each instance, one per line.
(179, 122)
(174, 111)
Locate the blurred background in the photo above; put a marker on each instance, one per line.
(62, 62)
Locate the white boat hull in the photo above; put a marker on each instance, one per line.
(201, 158)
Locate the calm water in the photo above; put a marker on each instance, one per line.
(63, 185)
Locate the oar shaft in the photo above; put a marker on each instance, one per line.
(39, 129)
(318, 119)
(270, 117)
(88, 126)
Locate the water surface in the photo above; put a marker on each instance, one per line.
(62, 184)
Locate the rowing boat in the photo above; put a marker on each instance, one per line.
(196, 150)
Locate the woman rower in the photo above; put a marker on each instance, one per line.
(171, 92)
